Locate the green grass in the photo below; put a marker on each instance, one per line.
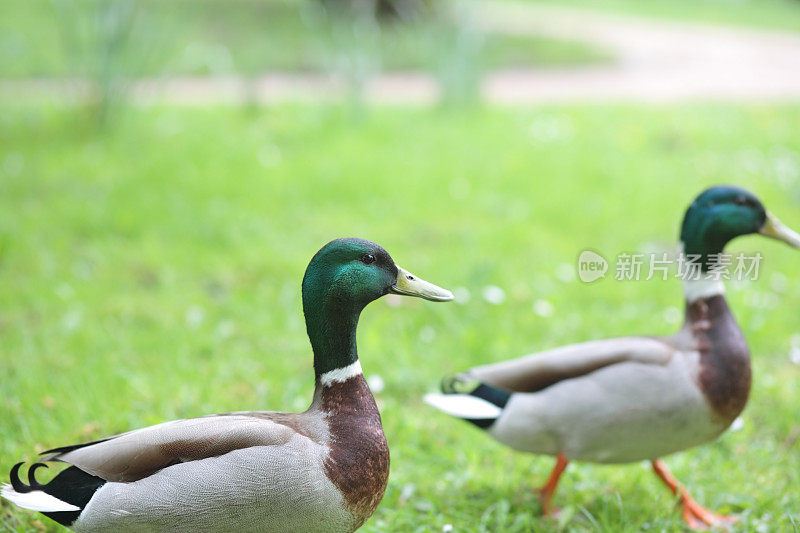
(153, 272)
(205, 37)
(774, 14)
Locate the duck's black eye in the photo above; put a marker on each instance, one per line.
(367, 259)
(740, 200)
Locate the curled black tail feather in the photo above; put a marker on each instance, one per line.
(448, 385)
(32, 485)
(72, 485)
(464, 384)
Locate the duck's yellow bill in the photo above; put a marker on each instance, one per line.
(410, 285)
(775, 229)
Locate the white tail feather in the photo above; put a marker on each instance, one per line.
(463, 406)
(36, 501)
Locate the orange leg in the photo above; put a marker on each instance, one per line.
(549, 489)
(695, 515)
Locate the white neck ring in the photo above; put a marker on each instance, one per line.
(340, 375)
(699, 289)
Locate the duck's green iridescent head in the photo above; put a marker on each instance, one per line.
(341, 279)
(722, 213)
(350, 273)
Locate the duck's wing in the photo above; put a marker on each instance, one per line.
(140, 453)
(537, 371)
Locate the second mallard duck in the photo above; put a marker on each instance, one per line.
(632, 398)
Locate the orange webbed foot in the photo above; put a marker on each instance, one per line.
(695, 515)
(698, 517)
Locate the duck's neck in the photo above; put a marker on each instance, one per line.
(340, 386)
(332, 331)
(703, 255)
(702, 246)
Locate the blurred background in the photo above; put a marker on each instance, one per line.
(167, 169)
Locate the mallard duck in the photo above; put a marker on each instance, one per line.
(321, 470)
(631, 398)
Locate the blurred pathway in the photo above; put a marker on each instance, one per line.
(656, 61)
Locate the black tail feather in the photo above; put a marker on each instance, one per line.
(64, 449)
(32, 483)
(463, 384)
(16, 483)
(71, 485)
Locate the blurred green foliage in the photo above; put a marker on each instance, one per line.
(40, 38)
(106, 44)
(153, 272)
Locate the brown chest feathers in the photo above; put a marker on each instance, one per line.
(724, 356)
(358, 462)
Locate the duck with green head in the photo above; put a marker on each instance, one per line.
(632, 398)
(321, 470)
